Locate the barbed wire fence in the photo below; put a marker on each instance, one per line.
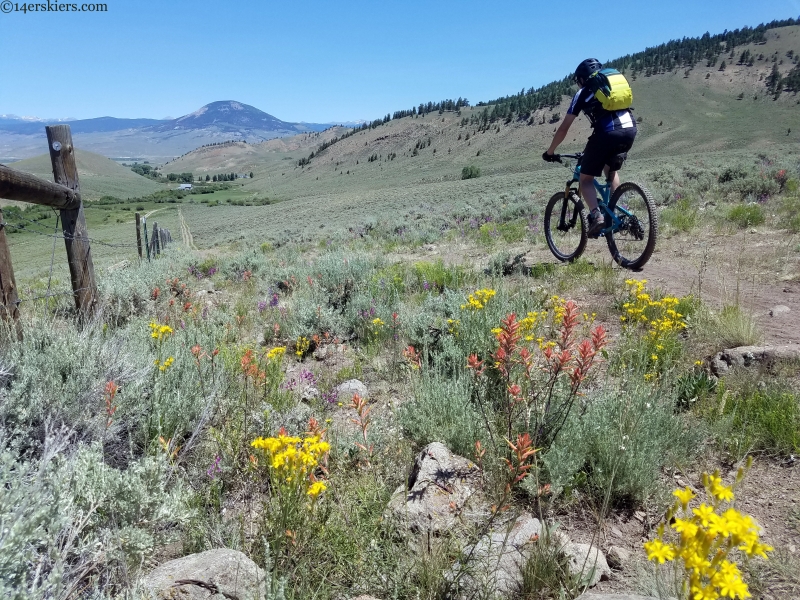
(158, 240)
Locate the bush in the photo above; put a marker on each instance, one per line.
(683, 216)
(620, 444)
(470, 172)
(442, 412)
(746, 215)
(71, 515)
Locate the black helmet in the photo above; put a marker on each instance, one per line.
(586, 68)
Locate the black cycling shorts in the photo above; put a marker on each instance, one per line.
(607, 148)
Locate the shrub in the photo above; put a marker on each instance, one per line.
(620, 444)
(683, 216)
(470, 172)
(70, 514)
(790, 211)
(442, 411)
(746, 215)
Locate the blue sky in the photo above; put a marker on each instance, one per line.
(325, 61)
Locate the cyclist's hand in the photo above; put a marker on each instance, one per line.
(550, 157)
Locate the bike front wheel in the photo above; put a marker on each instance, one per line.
(565, 226)
(633, 238)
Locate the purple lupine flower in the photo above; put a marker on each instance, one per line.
(211, 271)
(204, 314)
(274, 300)
(425, 285)
(307, 377)
(330, 396)
(214, 468)
(262, 304)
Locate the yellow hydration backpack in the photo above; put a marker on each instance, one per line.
(611, 88)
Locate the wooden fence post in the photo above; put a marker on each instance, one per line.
(76, 238)
(9, 302)
(146, 242)
(156, 247)
(139, 234)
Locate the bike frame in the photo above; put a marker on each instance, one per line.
(604, 189)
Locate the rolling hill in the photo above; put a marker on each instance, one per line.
(99, 176)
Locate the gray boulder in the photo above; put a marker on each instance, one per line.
(587, 563)
(493, 567)
(617, 557)
(747, 356)
(443, 493)
(346, 390)
(220, 574)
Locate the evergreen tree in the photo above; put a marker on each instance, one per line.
(773, 81)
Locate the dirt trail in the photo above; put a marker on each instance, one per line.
(186, 234)
(759, 271)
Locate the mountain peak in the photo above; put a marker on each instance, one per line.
(228, 115)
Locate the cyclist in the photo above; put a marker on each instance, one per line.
(607, 147)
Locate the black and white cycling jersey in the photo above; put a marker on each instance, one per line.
(600, 118)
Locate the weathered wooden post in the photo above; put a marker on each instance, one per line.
(146, 242)
(9, 302)
(139, 234)
(156, 247)
(73, 222)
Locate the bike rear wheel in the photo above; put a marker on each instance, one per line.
(565, 226)
(633, 243)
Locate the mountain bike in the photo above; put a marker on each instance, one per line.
(630, 219)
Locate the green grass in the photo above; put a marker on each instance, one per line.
(746, 215)
(760, 415)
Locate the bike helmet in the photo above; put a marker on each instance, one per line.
(586, 68)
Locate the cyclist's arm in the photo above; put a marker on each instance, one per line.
(561, 133)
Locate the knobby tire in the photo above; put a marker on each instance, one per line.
(627, 251)
(563, 244)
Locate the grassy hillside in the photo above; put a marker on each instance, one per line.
(99, 176)
(681, 113)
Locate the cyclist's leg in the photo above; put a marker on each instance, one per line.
(588, 192)
(612, 177)
(620, 142)
(594, 158)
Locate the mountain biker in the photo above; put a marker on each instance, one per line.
(607, 147)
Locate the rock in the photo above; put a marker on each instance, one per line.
(443, 492)
(309, 393)
(617, 557)
(587, 562)
(779, 310)
(211, 575)
(497, 561)
(348, 388)
(746, 356)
